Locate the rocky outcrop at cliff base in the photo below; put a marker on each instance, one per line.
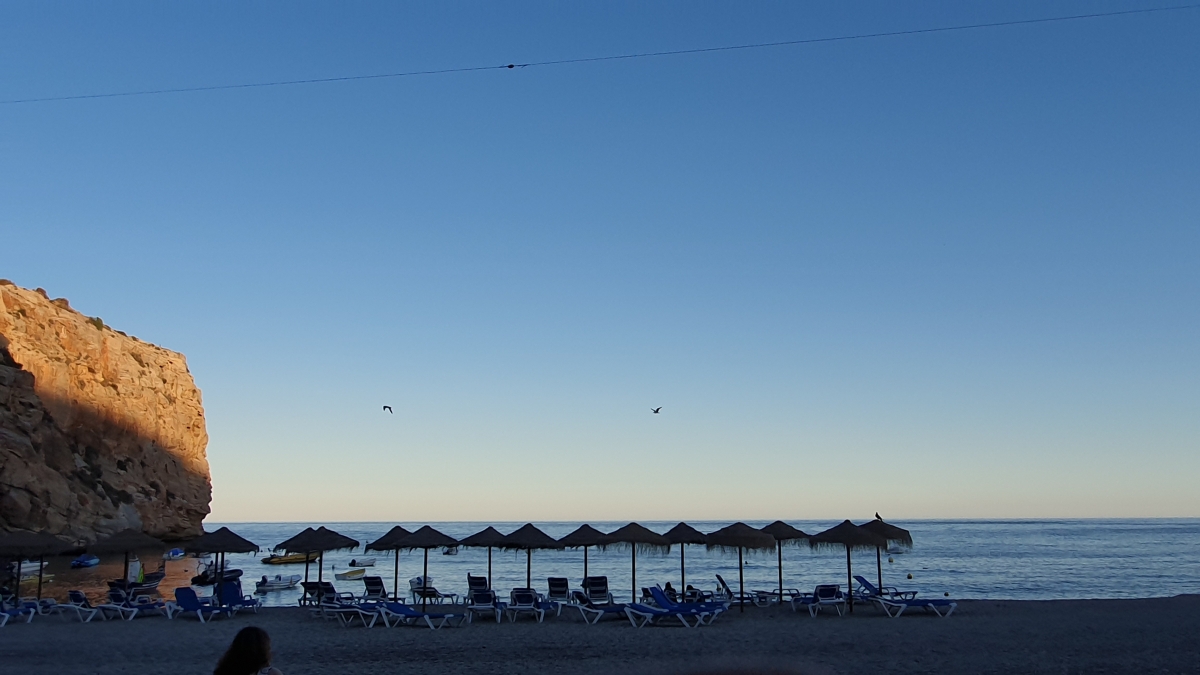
(99, 431)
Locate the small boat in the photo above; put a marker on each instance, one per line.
(362, 562)
(27, 566)
(453, 550)
(279, 583)
(85, 560)
(174, 554)
(207, 575)
(352, 575)
(290, 558)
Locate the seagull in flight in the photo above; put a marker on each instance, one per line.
(655, 410)
(389, 409)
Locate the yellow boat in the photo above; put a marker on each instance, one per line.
(290, 558)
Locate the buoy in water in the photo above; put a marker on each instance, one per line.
(947, 594)
(910, 576)
(891, 559)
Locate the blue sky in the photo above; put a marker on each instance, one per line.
(948, 275)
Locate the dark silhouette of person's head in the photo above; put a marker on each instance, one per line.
(249, 653)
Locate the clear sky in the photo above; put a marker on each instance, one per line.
(944, 275)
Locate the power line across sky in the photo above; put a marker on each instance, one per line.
(598, 59)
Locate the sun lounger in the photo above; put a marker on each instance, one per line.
(311, 595)
(78, 603)
(401, 613)
(233, 598)
(894, 607)
(375, 591)
(367, 613)
(8, 613)
(866, 591)
(522, 600)
(724, 592)
(422, 590)
(187, 602)
(824, 595)
(484, 603)
(558, 592)
(475, 583)
(595, 591)
(640, 615)
(707, 612)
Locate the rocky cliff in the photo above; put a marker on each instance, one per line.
(99, 431)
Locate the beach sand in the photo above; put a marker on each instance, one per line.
(1062, 636)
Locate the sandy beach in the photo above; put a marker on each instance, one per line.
(1065, 636)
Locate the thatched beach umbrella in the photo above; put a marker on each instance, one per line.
(894, 536)
(740, 536)
(319, 540)
(585, 536)
(125, 542)
(390, 542)
(636, 536)
(21, 545)
(291, 545)
(488, 538)
(684, 534)
(221, 542)
(783, 533)
(850, 536)
(425, 539)
(528, 538)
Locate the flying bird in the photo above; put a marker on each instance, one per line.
(389, 409)
(655, 410)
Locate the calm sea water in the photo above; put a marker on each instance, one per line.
(997, 559)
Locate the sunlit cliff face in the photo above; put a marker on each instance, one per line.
(99, 431)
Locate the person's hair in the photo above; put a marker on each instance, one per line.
(249, 653)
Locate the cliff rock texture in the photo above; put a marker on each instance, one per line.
(99, 431)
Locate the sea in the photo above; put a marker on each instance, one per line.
(965, 559)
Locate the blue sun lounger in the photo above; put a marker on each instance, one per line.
(824, 595)
(188, 602)
(707, 612)
(866, 591)
(639, 615)
(404, 614)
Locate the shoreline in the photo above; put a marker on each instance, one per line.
(1112, 636)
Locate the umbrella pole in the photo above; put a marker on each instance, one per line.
(528, 568)
(585, 562)
(849, 591)
(741, 584)
(425, 580)
(396, 578)
(879, 568)
(633, 591)
(321, 567)
(41, 564)
(682, 573)
(124, 575)
(17, 586)
(489, 568)
(779, 547)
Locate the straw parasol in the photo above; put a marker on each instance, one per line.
(488, 538)
(319, 540)
(684, 534)
(895, 536)
(124, 542)
(850, 536)
(782, 532)
(22, 544)
(635, 536)
(389, 542)
(221, 542)
(740, 536)
(584, 536)
(426, 538)
(527, 538)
